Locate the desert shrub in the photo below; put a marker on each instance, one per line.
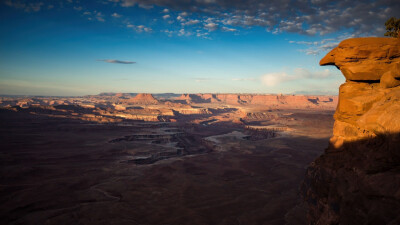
(393, 27)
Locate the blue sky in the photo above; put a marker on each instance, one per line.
(78, 48)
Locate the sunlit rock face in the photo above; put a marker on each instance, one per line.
(365, 59)
(281, 101)
(357, 179)
(144, 99)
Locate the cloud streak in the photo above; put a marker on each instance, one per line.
(115, 61)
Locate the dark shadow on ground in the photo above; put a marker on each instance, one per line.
(63, 171)
(358, 183)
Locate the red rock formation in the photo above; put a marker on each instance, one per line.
(195, 98)
(143, 99)
(357, 179)
(119, 95)
(279, 101)
(366, 58)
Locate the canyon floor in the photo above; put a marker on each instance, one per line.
(224, 165)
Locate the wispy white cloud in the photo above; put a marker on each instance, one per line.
(78, 8)
(139, 28)
(168, 32)
(191, 22)
(180, 18)
(128, 3)
(310, 51)
(228, 29)
(183, 32)
(100, 17)
(318, 47)
(27, 7)
(303, 42)
(201, 34)
(183, 14)
(211, 26)
(146, 6)
(116, 15)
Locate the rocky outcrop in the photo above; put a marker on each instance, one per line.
(143, 99)
(366, 59)
(357, 179)
(194, 98)
(142, 117)
(256, 115)
(193, 111)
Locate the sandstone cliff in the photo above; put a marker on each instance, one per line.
(143, 99)
(357, 179)
(278, 101)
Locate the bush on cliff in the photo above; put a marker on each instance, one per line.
(393, 27)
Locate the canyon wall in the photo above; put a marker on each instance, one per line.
(282, 101)
(357, 179)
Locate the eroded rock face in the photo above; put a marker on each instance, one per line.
(357, 179)
(143, 99)
(362, 59)
(281, 101)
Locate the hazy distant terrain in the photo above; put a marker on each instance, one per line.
(142, 160)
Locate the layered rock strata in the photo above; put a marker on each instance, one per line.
(143, 99)
(283, 101)
(357, 179)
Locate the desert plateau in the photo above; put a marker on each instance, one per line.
(170, 159)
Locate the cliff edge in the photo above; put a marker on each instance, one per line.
(357, 179)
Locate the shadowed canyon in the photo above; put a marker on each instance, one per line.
(118, 158)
